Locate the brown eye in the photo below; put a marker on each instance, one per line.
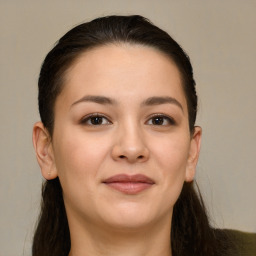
(158, 120)
(161, 120)
(95, 120)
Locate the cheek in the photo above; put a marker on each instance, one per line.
(79, 160)
(172, 154)
(79, 157)
(171, 159)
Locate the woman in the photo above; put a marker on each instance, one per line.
(118, 146)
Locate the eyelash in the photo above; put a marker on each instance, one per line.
(164, 118)
(95, 115)
(170, 120)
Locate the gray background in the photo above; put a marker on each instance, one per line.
(220, 38)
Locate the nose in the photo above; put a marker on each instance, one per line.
(130, 146)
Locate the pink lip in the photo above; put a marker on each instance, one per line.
(129, 184)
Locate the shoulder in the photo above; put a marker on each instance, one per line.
(239, 243)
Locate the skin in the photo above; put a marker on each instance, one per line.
(129, 139)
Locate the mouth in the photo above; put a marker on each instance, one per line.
(129, 184)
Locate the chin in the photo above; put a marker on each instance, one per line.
(130, 216)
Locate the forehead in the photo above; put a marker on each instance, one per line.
(123, 69)
(126, 54)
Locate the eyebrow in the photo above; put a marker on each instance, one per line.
(162, 100)
(148, 102)
(96, 99)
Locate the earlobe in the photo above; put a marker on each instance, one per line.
(193, 154)
(44, 153)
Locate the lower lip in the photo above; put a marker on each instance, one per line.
(130, 188)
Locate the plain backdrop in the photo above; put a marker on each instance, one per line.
(220, 38)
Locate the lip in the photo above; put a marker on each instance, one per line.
(129, 184)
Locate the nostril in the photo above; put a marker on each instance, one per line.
(139, 157)
(122, 156)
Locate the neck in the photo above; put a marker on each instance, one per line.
(153, 240)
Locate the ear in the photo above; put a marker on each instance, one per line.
(44, 151)
(193, 154)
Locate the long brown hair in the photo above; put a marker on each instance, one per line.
(191, 233)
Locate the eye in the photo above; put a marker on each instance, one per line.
(160, 119)
(95, 119)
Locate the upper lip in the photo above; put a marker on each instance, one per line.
(137, 178)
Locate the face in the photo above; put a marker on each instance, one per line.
(121, 145)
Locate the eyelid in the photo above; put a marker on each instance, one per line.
(171, 120)
(86, 118)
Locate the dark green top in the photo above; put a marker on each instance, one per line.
(240, 243)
